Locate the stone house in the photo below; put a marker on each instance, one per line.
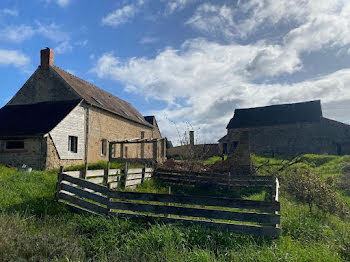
(288, 129)
(59, 119)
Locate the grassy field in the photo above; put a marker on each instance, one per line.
(34, 227)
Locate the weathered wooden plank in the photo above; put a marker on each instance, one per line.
(161, 170)
(115, 184)
(197, 200)
(84, 183)
(197, 212)
(135, 171)
(149, 170)
(210, 183)
(134, 176)
(114, 171)
(148, 175)
(208, 180)
(91, 173)
(114, 178)
(223, 177)
(96, 180)
(73, 173)
(233, 228)
(78, 210)
(82, 203)
(85, 194)
(130, 183)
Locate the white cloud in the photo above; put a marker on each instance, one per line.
(7, 11)
(214, 20)
(20, 33)
(17, 33)
(63, 3)
(203, 82)
(63, 47)
(148, 40)
(13, 57)
(177, 5)
(120, 16)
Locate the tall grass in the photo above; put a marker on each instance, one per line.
(34, 227)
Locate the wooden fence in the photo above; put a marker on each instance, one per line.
(113, 178)
(254, 217)
(216, 179)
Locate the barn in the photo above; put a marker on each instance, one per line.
(291, 129)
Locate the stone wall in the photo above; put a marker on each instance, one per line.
(43, 86)
(323, 137)
(33, 154)
(52, 159)
(105, 125)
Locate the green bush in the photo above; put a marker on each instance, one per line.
(308, 188)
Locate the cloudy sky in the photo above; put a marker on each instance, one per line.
(189, 62)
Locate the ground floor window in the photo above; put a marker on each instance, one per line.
(73, 144)
(14, 145)
(103, 147)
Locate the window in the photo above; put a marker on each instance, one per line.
(73, 144)
(103, 147)
(126, 152)
(14, 145)
(142, 134)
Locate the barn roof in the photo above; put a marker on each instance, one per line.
(276, 114)
(100, 98)
(33, 119)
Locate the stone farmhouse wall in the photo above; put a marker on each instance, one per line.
(33, 154)
(324, 137)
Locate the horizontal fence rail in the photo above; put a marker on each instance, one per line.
(114, 178)
(214, 179)
(227, 214)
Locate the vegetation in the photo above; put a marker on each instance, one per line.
(34, 227)
(100, 165)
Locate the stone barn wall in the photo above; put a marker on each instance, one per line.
(199, 151)
(323, 137)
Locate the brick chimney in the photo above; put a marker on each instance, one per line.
(46, 57)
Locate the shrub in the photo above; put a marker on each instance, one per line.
(308, 188)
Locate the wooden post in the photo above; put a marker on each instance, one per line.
(121, 150)
(143, 174)
(276, 193)
(106, 174)
(59, 181)
(168, 204)
(229, 179)
(126, 170)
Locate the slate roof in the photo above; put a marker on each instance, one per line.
(276, 114)
(100, 98)
(33, 119)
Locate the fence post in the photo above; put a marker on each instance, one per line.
(168, 204)
(143, 174)
(229, 179)
(59, 181)
(106, 174)
(126, 170)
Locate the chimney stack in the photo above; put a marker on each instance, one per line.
(47, 56)
(192, 138)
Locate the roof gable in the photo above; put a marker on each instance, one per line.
(101, 98)
(276, 114)
(33, 119)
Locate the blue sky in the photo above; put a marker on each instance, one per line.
(189, 62)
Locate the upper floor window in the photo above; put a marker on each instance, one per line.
(14, 145)
(142, 134)
(73, 144)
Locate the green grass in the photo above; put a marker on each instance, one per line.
(100, 165)
(34, 227)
